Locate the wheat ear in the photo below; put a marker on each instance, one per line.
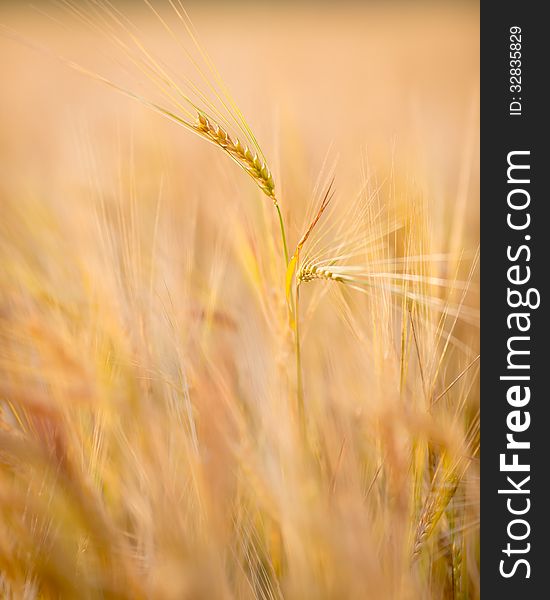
(309, 273)
(442, 490)
(456, 556)
(251, 163)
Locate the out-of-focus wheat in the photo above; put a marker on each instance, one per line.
(154, 346)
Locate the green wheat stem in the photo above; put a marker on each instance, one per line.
(299, 379)
(283, 233)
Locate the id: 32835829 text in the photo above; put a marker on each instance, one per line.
(514, 70)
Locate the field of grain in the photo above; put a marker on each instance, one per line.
(239, 330)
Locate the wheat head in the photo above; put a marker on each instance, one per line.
(251, 163)
(442, 490)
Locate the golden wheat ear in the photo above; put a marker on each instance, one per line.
(362, 259)
(202, 106)
(240, 153)
(445, 482)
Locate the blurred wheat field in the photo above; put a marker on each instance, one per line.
(186, 412)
